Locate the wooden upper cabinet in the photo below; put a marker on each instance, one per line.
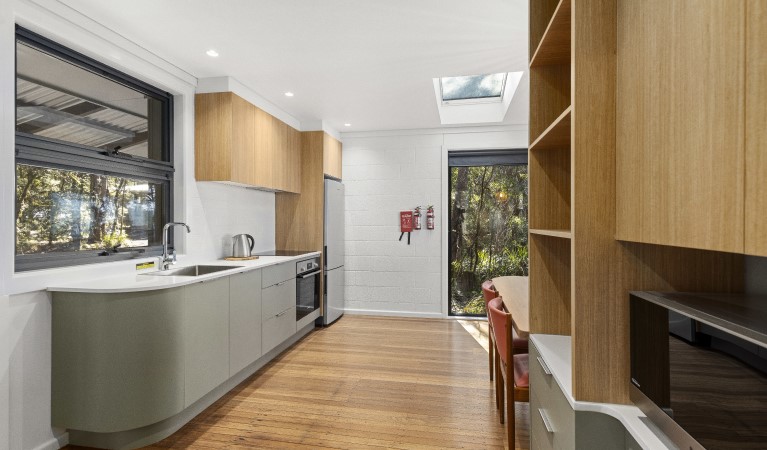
(756, 124)
(332, 157)
(237, 142)
(680, 111)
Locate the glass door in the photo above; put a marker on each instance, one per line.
(488, 224)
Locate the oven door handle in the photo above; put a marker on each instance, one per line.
(310, 274)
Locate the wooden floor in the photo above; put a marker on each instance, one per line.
(363, 383)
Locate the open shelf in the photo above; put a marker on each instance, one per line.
(554, 47)
(563, 234)
(550, 189)
(557, 135)
(550, 277)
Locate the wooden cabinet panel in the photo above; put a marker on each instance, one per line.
(237, 142)
(280, 142)
(206, 333)
(756, 128)
(243, 141)
(213, 136)
(244, 320)
(264, 152)
(680, 123)
(300, 218)
(294, 160)
(331, 157)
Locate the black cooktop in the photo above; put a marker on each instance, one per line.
(286, 252)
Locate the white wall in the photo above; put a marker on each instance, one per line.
(388, 172)
(213, 212)
(229, 210)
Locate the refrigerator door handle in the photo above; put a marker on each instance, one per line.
(325, 285)
(325, 253)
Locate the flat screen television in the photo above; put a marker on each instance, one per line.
(699, 367)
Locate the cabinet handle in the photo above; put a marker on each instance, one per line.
(546, 420)
(281, 314)
(545, 367)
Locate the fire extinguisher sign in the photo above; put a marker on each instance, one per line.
(406, 221)
(405, 224)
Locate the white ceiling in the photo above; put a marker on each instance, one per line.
(366, 62)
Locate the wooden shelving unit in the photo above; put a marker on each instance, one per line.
(563, 234)
(557, 135)
(554, 46)
(580, 275)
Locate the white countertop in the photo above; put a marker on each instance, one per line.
(136, 281)
(556, 351)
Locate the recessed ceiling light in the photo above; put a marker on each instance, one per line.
(288, 94)
(212, 53)
(347, 124)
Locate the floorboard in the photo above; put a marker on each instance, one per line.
(364, 382)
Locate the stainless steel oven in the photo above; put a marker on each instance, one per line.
(308, 295)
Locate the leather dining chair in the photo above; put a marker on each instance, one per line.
(512, 370)
(489, 292)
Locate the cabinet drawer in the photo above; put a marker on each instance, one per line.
(278, 273)
(548, 396)
(277, 328)
(277, 298)
(540, 438)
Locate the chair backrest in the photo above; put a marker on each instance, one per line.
(501, 328)
(488, 290)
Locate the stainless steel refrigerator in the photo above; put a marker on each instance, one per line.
(333, 298)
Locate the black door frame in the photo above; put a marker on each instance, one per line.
(474, 158)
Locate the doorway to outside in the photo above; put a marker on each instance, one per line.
(487, 214)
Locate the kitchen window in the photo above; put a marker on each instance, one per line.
(94, 169)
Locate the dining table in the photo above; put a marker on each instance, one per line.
(515, 292)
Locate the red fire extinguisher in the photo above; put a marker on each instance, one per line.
(417, 218)
(430, 217)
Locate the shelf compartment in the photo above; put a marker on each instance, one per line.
(550, 92)
(550, 273)
(541, 13)
(562, 234)
(557, 135)
(550, 189)
(554, 47)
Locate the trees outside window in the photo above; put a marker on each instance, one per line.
(488, 229)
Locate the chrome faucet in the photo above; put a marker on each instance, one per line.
(169, 258)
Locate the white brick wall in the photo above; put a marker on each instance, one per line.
(384, 176)
(387, 174)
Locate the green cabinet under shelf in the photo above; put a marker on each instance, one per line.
(244, 320)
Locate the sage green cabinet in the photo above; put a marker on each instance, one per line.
(278, 328)
(278, 305)
(117, 360)
(206, 327)
(244, 320)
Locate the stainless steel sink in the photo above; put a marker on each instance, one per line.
(190, 271)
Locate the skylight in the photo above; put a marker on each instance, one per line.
(475, 99)
(473, 87)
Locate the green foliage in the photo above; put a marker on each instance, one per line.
(60, 210)
(488, 230)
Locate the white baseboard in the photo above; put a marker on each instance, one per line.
(55, 443)
(375, 312)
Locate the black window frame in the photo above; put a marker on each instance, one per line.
(56, 154)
